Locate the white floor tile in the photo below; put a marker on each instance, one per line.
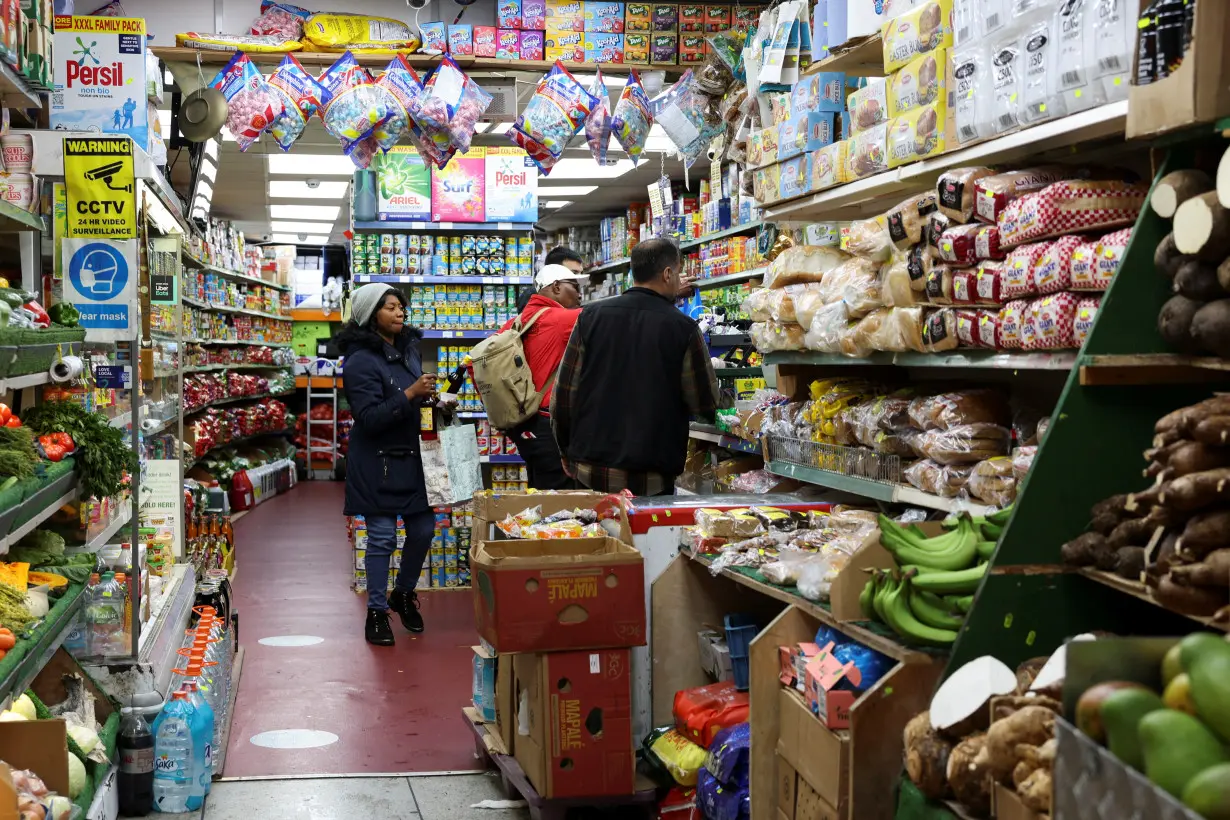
(450, 798)
(328, 798)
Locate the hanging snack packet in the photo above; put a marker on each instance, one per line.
(556, 111)
(353, 106)
(251, 106)
(448, 110)
(300, 96)
(598, 124)
(401, 86)
(632, 118)
(683, 113)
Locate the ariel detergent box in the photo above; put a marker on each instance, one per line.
(403, 185)
(458, 190)
(100, 76)
(512, 186)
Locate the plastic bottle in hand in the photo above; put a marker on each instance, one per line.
(176, 789)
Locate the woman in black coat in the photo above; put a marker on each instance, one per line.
(386, 388)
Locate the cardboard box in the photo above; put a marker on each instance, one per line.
(714, 654)
(576, 710)
(811, 806)
(1197, 91)
(532, 44)
(533, 16)
(565, 15)
(38, 745)
(508, 14)
(405, 185)
(508, 44)
(603, 15)
(483, 688)
(490, 508)
(691, 18)
(564, 44)
(787, 788)
(511, 181)
(485, 41)
(559, 594)
(602, 47)
(505, 712)
(636, 48)
(822, 675)
(819, 755)
(638, 17)
(458, 192)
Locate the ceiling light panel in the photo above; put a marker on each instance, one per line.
(311, 165)
(564, 190)
(300, 227)
(558, 203)
(298, 189)
(585, 168)
(325, 213)
(294, 239)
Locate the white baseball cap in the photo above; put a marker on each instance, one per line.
(550, 274)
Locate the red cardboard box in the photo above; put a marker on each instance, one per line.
(578, 711)
(830, 704)
(559, 594)
(485, 42)
(717, 18)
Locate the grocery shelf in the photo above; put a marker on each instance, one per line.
(1063, 360)
(22, 382)
(314, 315)
(471, 414)
(865, 632)
(411, 279)
(232, 274)
(455, 227)
(857, 58)
(192, 462)
(17, 533)
(162, 425)
(318, 381)
(16, 91)
(220, 308)
(738, 372)
(1137, 589)
(614, 264)
(735, 230)
(108, 532)
(206, 368)
(50, 638)
(729, 339)
(160, 640)
(729, 442)
(878, 193)
(875, 490)
(235, 342)
(188, 411)
(225, 736)
(730, 278)
(457, 334)
(14, 219)
(501, 459)
(1151, 368)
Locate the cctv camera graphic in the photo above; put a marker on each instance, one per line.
(105, 173)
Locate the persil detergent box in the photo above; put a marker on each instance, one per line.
(100, 76)
(512, 186)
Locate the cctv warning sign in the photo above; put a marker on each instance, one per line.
(101, 184)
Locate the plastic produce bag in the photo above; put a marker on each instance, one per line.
(828, 325)
(598, 124)
(632, 118)
(353, 107)
(300, 97)
(683, 112)
(557, 110)
(251, 105)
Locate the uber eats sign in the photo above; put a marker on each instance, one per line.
(99, 178)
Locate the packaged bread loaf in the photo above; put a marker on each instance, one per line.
(801, 264)
(1086, 312)
(946, 481)
(967, 328)
(986, 243)
(905, 324)
(957, 245)
(937, 223)
(756, 305)
(923, 29)
(807, 301)
(1074, 205)
(1053, 270)
(869, 238)
(895, 290)
(1053, 318)
(939, 285)
(1022, 460)
(769, 337)
(965, 444)
(907, 221)
(992, 481)
(995, 191)
(918, 134)
(964, 286)
(1108, 255)
(940, 331)
(856, 341)
(960, 407)
(988, 287)
(956, 193)
(1085, 266)
(918, 263)
(782, 301)
(827, 327)
(988, 329)
(1017, 273)
(918, 83)
(855, 280)
(868, 106)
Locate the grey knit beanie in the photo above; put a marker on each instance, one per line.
(365, 300)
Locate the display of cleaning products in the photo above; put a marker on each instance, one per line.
(462, 307)
(459, 190)
(403, 185)
(511, 185)
(427, 255)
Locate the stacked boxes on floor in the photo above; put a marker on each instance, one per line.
(448, 561)
(561, 615)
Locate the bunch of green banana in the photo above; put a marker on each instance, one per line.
(990, 526)
(916, 615)
(956, 549)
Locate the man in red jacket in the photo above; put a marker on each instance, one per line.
(558, 297)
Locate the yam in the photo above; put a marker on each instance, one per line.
(1179, 423)
(1202, 228)
(926, 758)
(1115, 505)
(1204, 533)
(1024, 768)
(969, 779)
(1196, 280)
(1084, 550)
(1210, 328)
(1033, 726)
(1214, 430)
(1027, 671)
(1164, 556)
(1177, 187)
(1037, 790)
(1174, 323)
(1046, 754)
(1223, 180)
(1104, 524)
(1223, 274)
(1195, 457)
(1167, 258)
(1133, 531)
(1190, 600)
(1195, 491)
(918, 726)
(1003, 707)
(1142, 503)
(962, 704)
(1212, 571)
(1129, 562)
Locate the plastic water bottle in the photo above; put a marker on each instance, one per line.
(136, 777)
(176, 788)
(105, 616)
(202, 734)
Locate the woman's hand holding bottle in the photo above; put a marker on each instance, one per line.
(423, 388)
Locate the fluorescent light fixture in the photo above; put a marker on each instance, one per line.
(227, 136)
(325, 213)
(586, 168)
(564, 190)
(298, 189)
(164, 119)
(293, 239)
(482, 127)
(311, 165)
(501, 127)
(209, 171)
(211, 149)
(556, 203)
(204, 189)
(300, 227)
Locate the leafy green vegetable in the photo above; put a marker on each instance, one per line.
(17, 454)
(52, 542)
(102, 457)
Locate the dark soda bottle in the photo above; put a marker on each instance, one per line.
(136, 775)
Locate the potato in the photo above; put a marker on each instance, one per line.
(1084, 550)
(1174, 323)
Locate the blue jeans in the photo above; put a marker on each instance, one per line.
(382, 540)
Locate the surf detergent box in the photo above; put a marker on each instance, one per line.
(458, 190)
(100, 76)
(403, 185)
(511, 186)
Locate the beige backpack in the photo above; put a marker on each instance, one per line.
(502, 377)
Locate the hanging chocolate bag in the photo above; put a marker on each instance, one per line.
(251, 106)
(557, 110)
(632, 118)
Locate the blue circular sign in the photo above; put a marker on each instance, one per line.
(98, 272)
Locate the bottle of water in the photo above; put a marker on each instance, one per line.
(105, 617)
(202, 734)
(136, 777)
(176, 788)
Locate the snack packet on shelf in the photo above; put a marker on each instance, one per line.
(514, 525)
(683, 112)
(449, 109)
(401, 86)
(251, 105)
(251, 43)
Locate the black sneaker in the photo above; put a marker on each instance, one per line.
(406, 604)
(378, 631)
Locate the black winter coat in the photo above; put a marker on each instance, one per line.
(384, 465)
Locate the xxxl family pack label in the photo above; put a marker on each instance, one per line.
(100, 76)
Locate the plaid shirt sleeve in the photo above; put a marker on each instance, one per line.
(700, 386)
(563, 397)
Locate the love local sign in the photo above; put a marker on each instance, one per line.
(101, 185)
(100, 281)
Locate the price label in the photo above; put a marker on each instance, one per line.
(655, 201)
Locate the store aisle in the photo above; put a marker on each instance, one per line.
(314, 697)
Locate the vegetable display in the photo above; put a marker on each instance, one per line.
(103, 458)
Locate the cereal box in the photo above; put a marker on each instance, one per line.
(565, 15)
(533, 44)
(484, 41)
(508, 44)
(461, 40)
(508, 13)
(665, 18)
(602, 47)
(717, 18)
(458, 190)
(566, 45)
(603, 15)
(691, 18)
(664, 49)
(100, 86)
(435, 37)
(533, 15)
(512, 186)
(636, 48)
(638, 17)
(691, 48)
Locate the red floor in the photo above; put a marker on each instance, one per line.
(394, 709)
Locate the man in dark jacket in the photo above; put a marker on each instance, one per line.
(635, 370)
